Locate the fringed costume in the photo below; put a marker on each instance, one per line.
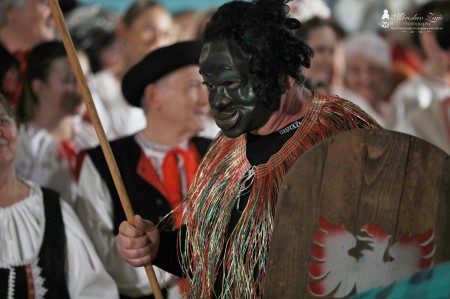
(225, 256)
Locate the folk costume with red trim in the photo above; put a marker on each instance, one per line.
(150, 195)
(46, 252)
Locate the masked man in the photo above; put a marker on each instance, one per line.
(252, 65)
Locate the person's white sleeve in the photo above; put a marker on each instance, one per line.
(401, 105)
(86, 275)
(95, 209)
(38, 161)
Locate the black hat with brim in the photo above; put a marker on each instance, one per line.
(156, 65)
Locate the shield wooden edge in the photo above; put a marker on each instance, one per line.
(363, 186)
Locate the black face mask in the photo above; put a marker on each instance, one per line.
(236, 108)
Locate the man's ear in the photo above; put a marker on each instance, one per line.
(121, 30)
(151, 96)
(36, 86)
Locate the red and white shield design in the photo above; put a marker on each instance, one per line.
(343, 263)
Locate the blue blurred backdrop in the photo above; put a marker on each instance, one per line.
(173, 5)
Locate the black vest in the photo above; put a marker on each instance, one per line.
(51, 257)
(145, 199)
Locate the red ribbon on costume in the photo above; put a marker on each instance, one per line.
(14, 78)
(68, 152)
(172, 177)
(172, 183)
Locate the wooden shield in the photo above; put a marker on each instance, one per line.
(359, 210)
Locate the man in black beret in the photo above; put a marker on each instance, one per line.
(157, 165)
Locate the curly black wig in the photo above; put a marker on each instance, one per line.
(264, 30)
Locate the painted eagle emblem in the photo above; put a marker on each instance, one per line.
(343, 264)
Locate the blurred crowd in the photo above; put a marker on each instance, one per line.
(364, 51)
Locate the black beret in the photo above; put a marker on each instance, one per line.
(156, 65)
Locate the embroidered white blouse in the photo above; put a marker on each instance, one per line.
(22, 230)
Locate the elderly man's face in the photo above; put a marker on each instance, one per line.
(184, 100)
(35, 20)
(367, 77)
(236, 109)
(148, 32)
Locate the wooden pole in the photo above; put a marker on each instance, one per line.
(68, 44)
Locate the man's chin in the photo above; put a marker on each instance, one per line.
(230, 133)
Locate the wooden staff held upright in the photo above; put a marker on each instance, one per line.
(68, 44)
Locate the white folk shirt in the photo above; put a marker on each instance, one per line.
(22, 230)
(416, 109)
(95, 208)
(38, 159)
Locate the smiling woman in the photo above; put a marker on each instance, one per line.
(52, 129)
(54, 249)
(142, 28)
(8, 135)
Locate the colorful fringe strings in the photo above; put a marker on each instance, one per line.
(243, 252)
